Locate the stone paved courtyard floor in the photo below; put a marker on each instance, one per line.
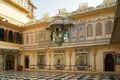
(37, 75)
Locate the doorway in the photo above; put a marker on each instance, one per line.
(109, 62)
(10, 62)
(26, 61)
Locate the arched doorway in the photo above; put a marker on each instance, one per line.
(10, 62)
(109, 62)
(26, 62)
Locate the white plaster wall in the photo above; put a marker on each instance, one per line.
(13, 13)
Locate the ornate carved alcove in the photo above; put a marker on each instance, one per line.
(59, 59)
(41, 59)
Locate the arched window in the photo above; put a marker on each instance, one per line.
(36, 38)
(2, 34)
(31, 40)
(98, 29)
(27, 39)
(10, 37)
(108, 27)
(89, 30)
(81, 31)
(17, 37)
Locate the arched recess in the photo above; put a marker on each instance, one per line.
(99, 29)
(108, 27)
(10, 62)
(10, 36)
(2, 34)
(26, 62)
(89, 30)
(109, 61)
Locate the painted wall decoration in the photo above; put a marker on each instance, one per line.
(81, 59)
(118, 59)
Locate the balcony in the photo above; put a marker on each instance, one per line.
(10, 45)
(52, 45)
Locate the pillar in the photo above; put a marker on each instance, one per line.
(20, 39)
(70, 51)
(4, 60)
(94, 57)
(6, 35)
(50, 54)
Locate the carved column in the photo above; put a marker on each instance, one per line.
(2, 59)
(94, 57)
(70, 51)
(50, 54)
(14, 37)
(6, 35)
(20, 39)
